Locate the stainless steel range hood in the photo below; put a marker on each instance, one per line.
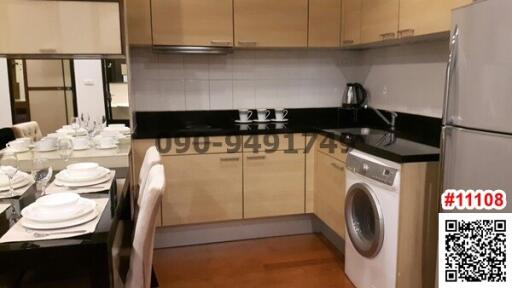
(192, 49)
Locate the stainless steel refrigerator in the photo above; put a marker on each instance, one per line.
(477, 118)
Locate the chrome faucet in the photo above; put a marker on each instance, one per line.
(391, 122)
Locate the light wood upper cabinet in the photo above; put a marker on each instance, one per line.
(192, 22)
(351, 22)
(420, 17)
(273, 184)
(379, 20)
(330, 192)
(138, 15)
(59, 27)
(271, 23)
(324, 23)
(202, 188)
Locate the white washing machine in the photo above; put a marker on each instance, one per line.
(371, 215)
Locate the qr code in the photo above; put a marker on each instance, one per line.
(473, 250)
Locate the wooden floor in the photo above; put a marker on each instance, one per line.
(291, 261)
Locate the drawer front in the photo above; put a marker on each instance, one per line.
(274, 142)
(332, 148)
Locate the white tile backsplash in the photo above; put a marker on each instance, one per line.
(244, 79)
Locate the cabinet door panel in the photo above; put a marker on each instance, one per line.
(351, 19)
(379, 20)
(270, 23)
(192, 22)
(330, 192)
(324, 23)
(420, 17)
(273, 184)
(138, 17)
(202, 188)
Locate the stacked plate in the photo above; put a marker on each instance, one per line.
(59, 210)
(21, 179)
(82, 175)
(121, 128)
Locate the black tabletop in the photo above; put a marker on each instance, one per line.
(91, 252)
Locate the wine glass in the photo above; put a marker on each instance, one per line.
(75, 125)
(9, 166)
(42, 172)
(65, 145)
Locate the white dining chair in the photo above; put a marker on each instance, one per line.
(141, 258)
(151, 158)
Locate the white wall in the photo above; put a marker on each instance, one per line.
(407, 78)
(89, 88)
(5, 100)
(245, 79)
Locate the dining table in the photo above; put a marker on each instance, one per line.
(90, 260)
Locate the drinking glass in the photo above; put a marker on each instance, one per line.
(75, 125)
(9, 166)
(42, 172)
(65, 145)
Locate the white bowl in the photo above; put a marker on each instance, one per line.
(58, 200)
(82, 169)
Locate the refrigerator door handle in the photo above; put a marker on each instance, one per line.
(450, 67)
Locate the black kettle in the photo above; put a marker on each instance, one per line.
(354, 96)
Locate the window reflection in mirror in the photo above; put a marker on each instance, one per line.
(53, 91)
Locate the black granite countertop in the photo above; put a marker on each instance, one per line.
(416, 138)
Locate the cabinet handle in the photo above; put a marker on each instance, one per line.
(220, 43)
(48, 50)
(406, 33)
(226, 159)
(337, 166)
(247, 43)
(387, 36)
(261, 157)
(348, 41)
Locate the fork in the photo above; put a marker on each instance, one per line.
(46, 234)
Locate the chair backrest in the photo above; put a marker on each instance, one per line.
(6, 135)
(141, 258)
(28, 129)
(151, 158)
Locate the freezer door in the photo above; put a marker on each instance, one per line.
(477, 160)
(479, 80)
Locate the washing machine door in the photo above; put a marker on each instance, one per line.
(364, 220)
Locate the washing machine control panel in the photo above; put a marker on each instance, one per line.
(375, 171)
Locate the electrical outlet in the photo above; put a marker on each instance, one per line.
(385, 90)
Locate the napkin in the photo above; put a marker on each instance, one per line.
(18, 233)
(4, 206)
(52, 188)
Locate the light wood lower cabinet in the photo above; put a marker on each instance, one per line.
(273, 184)
(202, 188)
(330, 192)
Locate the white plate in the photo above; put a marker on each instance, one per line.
(261, 121)
(243, 122)
(65, 177)
(45, 150)
(84, 183)
(18, 150)
(81, 148)
(27, 223)
(113, 146)
(280, 120)
(58, 200)
(35, 212)
(22, 183)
